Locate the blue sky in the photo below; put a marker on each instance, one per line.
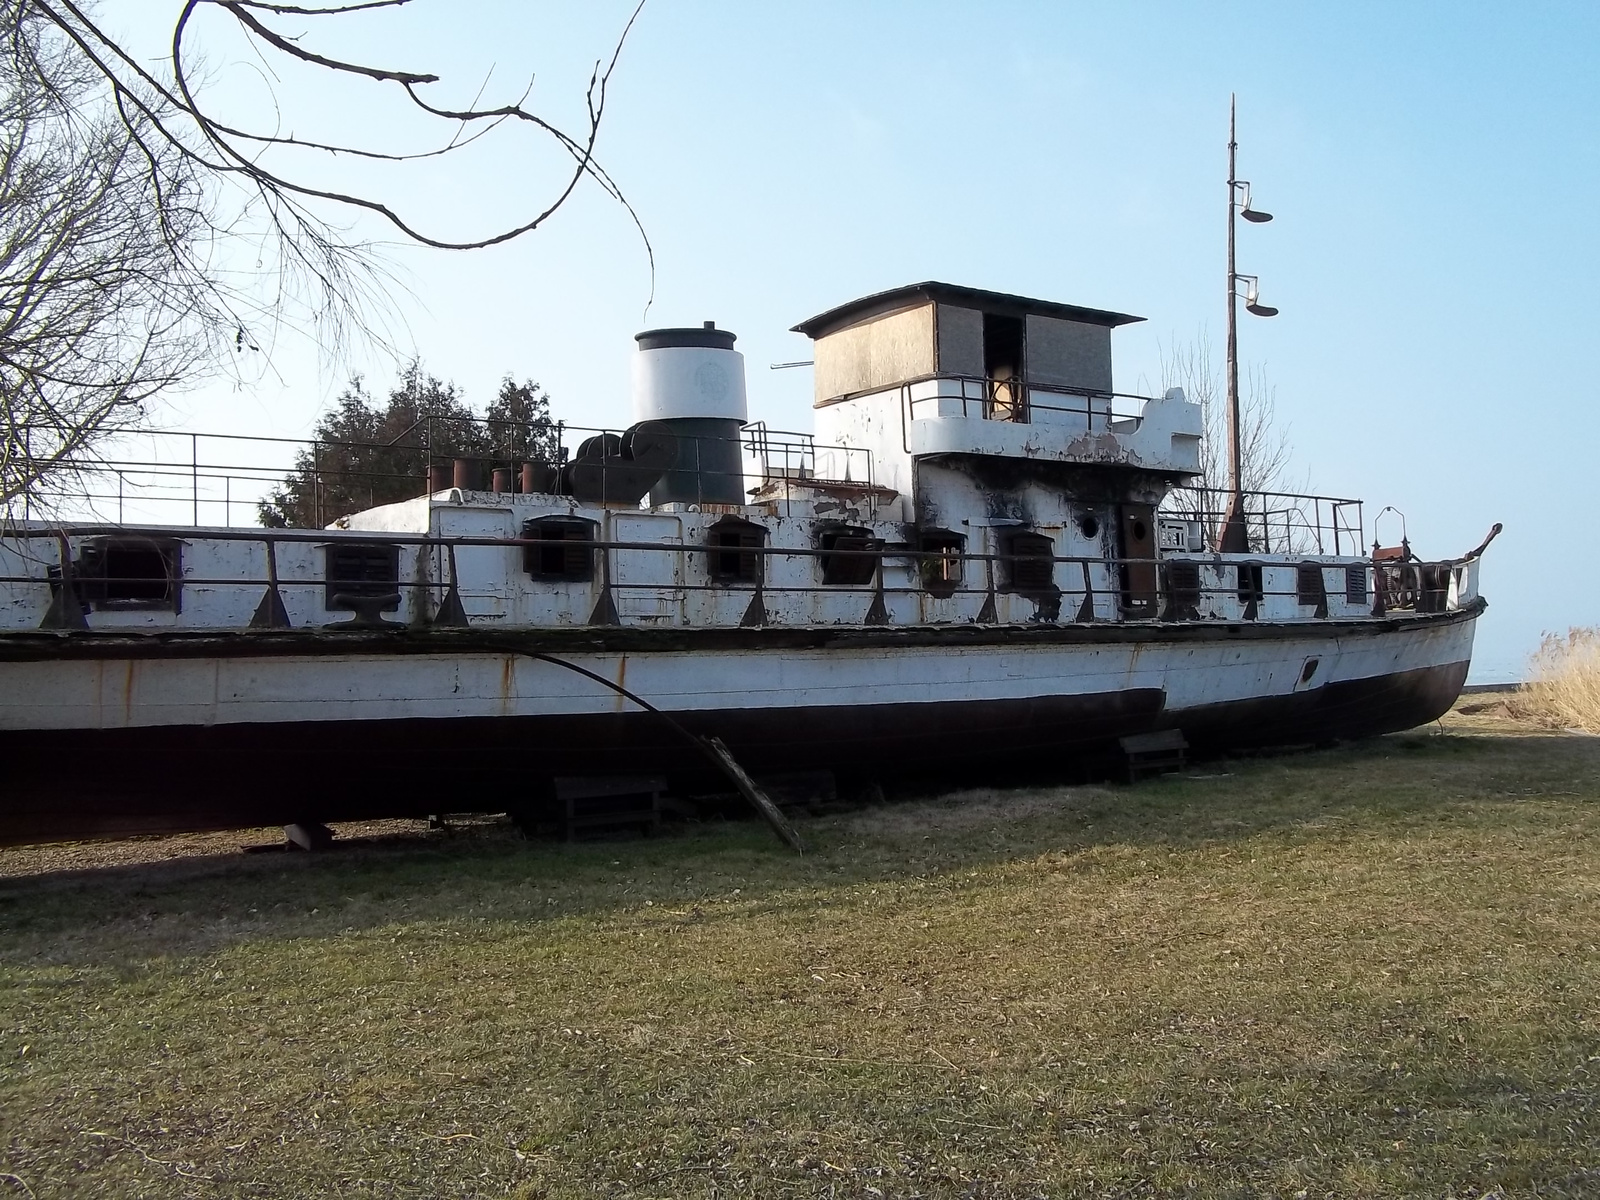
(1434, 170)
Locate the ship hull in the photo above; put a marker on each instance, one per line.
(106, 736)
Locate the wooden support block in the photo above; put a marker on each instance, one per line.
(598, 802)
(1154, 753)
(308, 835)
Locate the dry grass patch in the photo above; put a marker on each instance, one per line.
(1563, 690)
(1364, 972)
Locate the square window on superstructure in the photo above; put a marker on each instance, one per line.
(850, 557)
(941, 561)
(733, 551)
(1251, 587)
(131, 573)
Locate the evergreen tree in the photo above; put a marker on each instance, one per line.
(519, 424)
(365, 455)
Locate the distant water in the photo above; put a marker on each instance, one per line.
(1498, 668)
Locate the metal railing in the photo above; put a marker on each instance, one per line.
(1017, 401)
(785, 456)
(1132, 588)
(214, 479)
(1275, 522)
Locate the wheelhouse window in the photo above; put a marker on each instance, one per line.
(733, 551)
(1029, 562)
(850, 555)
(131, 573)
(941, 559)
(360, 569)
(561, 549)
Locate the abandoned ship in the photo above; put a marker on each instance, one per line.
(982, 558)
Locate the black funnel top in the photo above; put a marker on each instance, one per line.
(705, 335)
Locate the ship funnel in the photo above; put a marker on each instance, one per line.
(692, 382)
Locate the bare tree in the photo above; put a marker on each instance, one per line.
(1263, 442)
(246, 224)
(97, 308)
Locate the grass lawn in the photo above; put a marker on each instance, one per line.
(1370, 971)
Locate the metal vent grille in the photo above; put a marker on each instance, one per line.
(562, 548)
(1030, 563)
(1183, 583)
(1355, 585)
(1308, 585)
(360, 569)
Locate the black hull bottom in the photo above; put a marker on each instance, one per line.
(100, 783)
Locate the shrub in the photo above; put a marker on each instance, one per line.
(1563, 688)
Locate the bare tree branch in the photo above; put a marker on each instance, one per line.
(210, 192)
(97, 311)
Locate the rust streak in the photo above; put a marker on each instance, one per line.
(127, 691)
(622, 681)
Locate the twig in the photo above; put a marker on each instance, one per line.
(150, 1158)
(864, 1062)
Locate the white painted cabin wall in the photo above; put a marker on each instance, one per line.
(946, 416)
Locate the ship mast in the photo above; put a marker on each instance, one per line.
(1233, 538)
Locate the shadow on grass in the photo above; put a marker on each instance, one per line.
(117, 915)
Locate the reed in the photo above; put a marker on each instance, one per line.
(1563, 688)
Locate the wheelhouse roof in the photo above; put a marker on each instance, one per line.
(1000, 303)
